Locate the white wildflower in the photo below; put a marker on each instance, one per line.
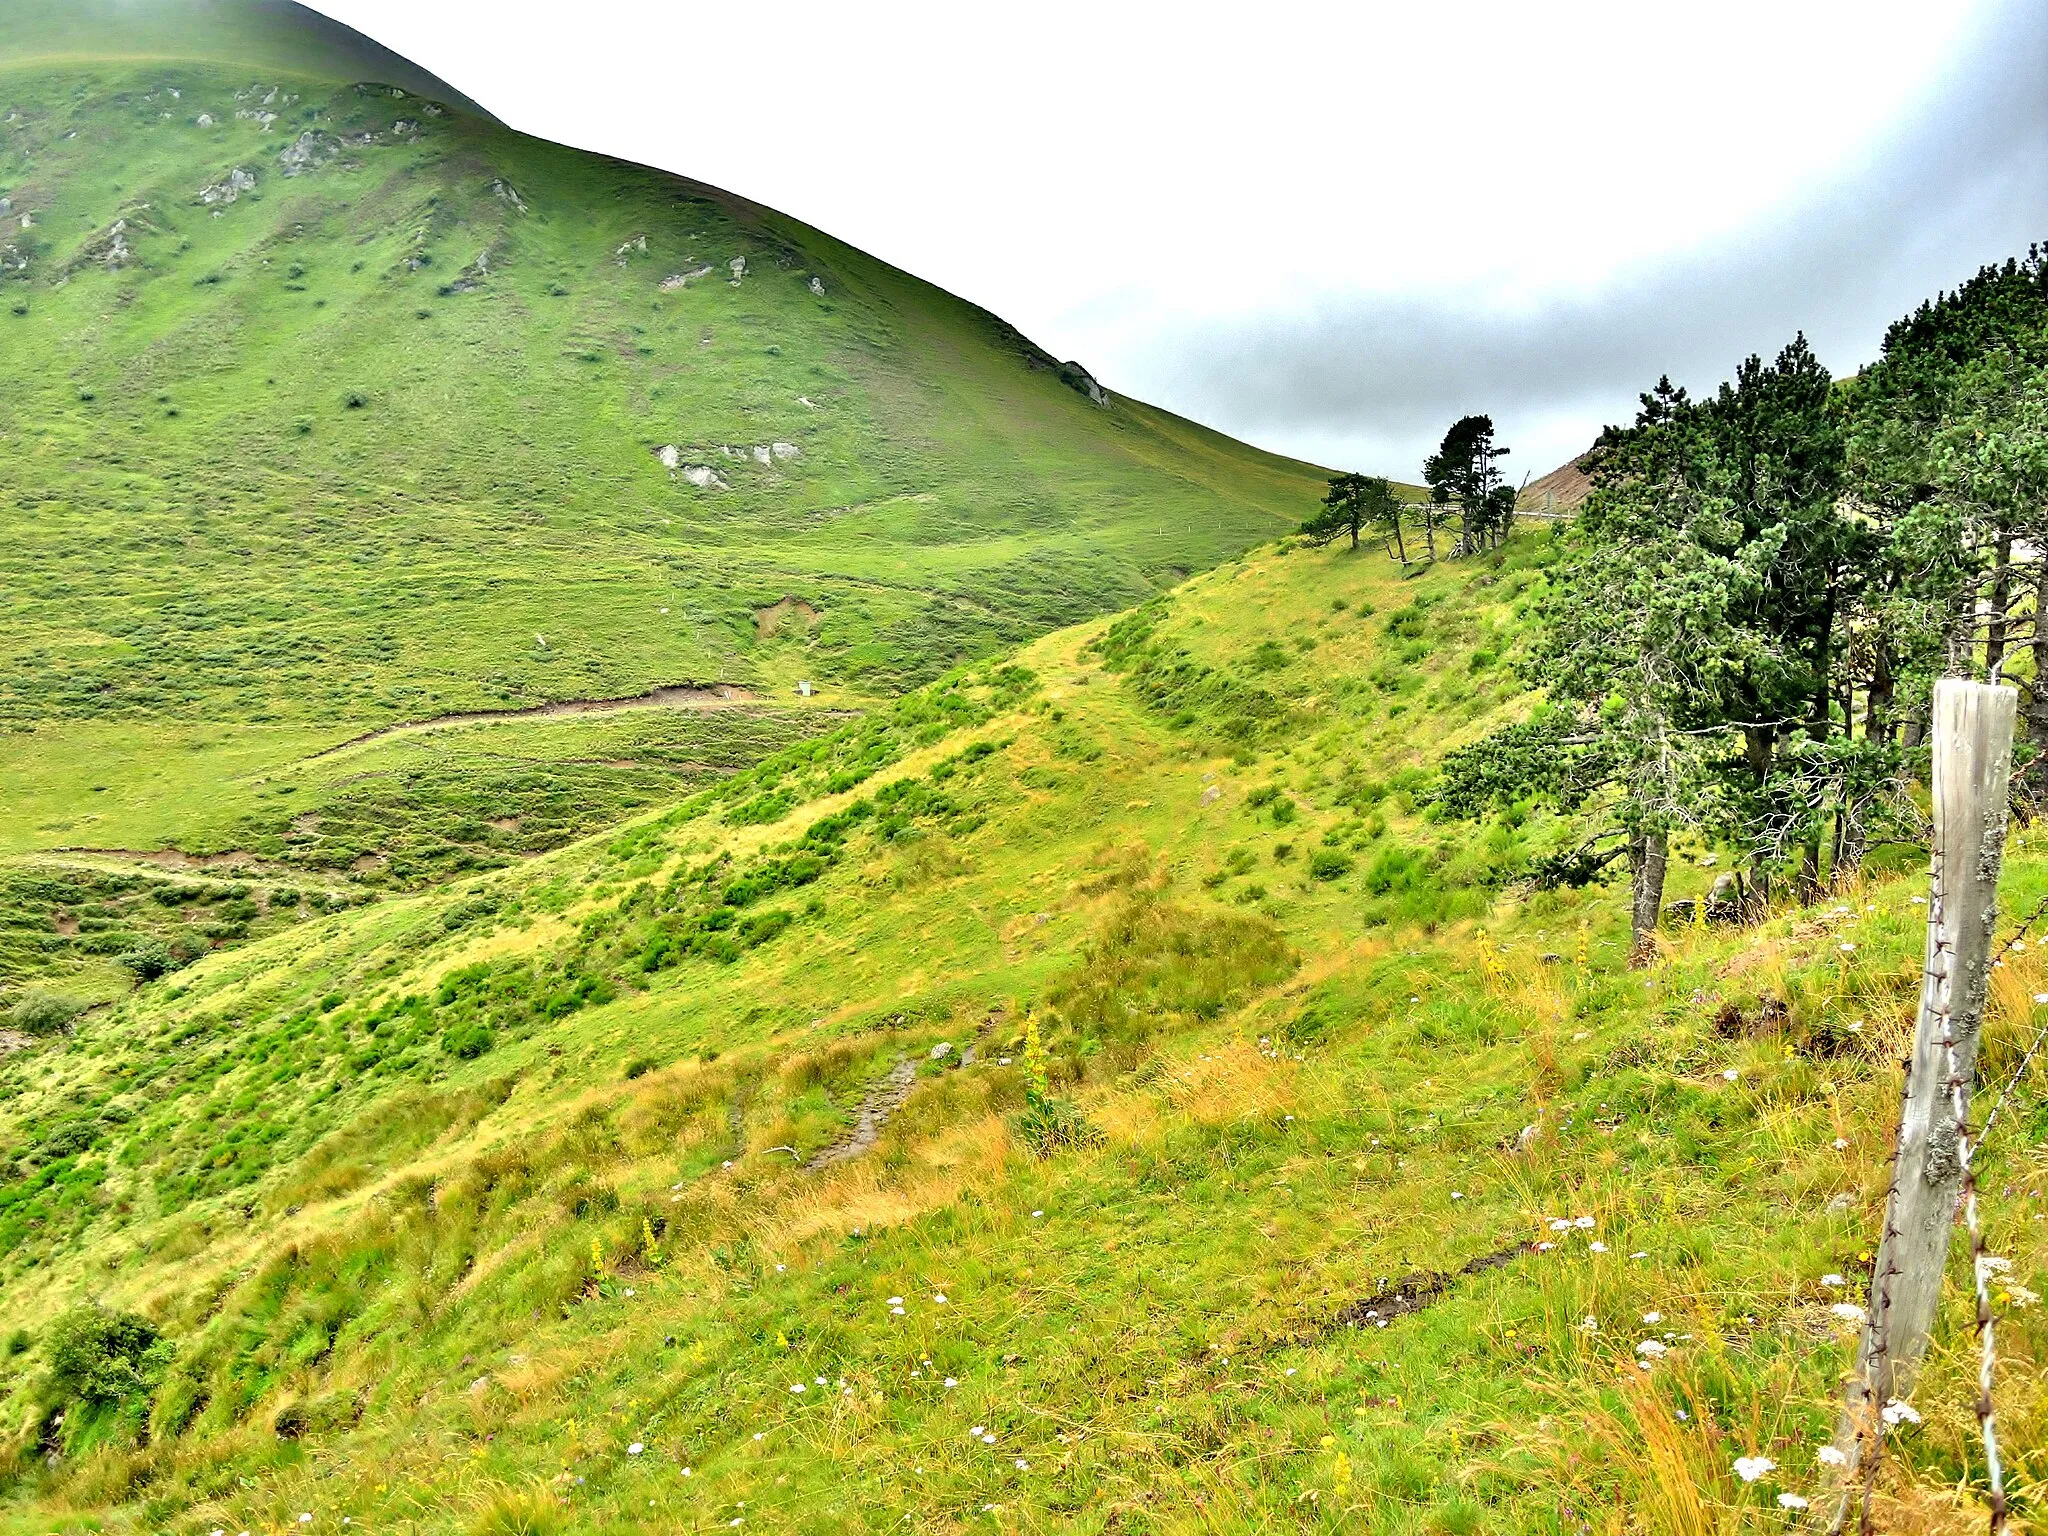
(1832, 1279)
(1750, 1468)
(1653, 1317)
(1831, 1457)
(1897, 1413)
(1848, 1311)
(1583, 1223)
(635, 1448)
(1791, 1501)
(1652, 1348)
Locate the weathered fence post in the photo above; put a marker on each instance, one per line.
(1972, 745)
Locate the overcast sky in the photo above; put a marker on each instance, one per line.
(1332, 228)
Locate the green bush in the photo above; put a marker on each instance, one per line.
(149, 959)
(469, 1041)
(43, 1013)
(103, 1368)
(1328, 864)
(1396, 869)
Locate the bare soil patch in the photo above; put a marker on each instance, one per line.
(788, 613)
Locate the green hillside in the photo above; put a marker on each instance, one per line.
(330, 408)
(1102, 1051)
(248, 34)
(655, 878)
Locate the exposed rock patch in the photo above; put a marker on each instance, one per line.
(739, 269)
(1075, 377)
(505, 192)
(229, 188)
(677, 280)
(309, 151)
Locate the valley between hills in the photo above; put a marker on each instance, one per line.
(654, 877)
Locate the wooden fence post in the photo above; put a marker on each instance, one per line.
(1972, 745)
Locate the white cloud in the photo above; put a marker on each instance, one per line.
(1116, 179)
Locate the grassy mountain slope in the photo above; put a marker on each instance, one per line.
(328, 409)
(1279, 1169)
(262, 34)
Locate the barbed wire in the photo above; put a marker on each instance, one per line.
(1959, 1104)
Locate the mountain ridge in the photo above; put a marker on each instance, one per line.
(244, 33)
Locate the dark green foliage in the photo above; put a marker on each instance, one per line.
(1396, 869)
(1328, 864)
(1464, 472)
(149, 959)
(1356, 505)
(101, 1368)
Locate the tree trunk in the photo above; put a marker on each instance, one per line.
(1877, 704)
(1646, 864)
(1429, 530)
(1972, 767)
(2001, 599)
(1403, 548)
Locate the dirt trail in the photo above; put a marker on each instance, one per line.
(681, 696)
(1411, 1293)
(881, 1102)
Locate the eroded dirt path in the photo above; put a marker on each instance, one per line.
(682, 696)
(880, 1102)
